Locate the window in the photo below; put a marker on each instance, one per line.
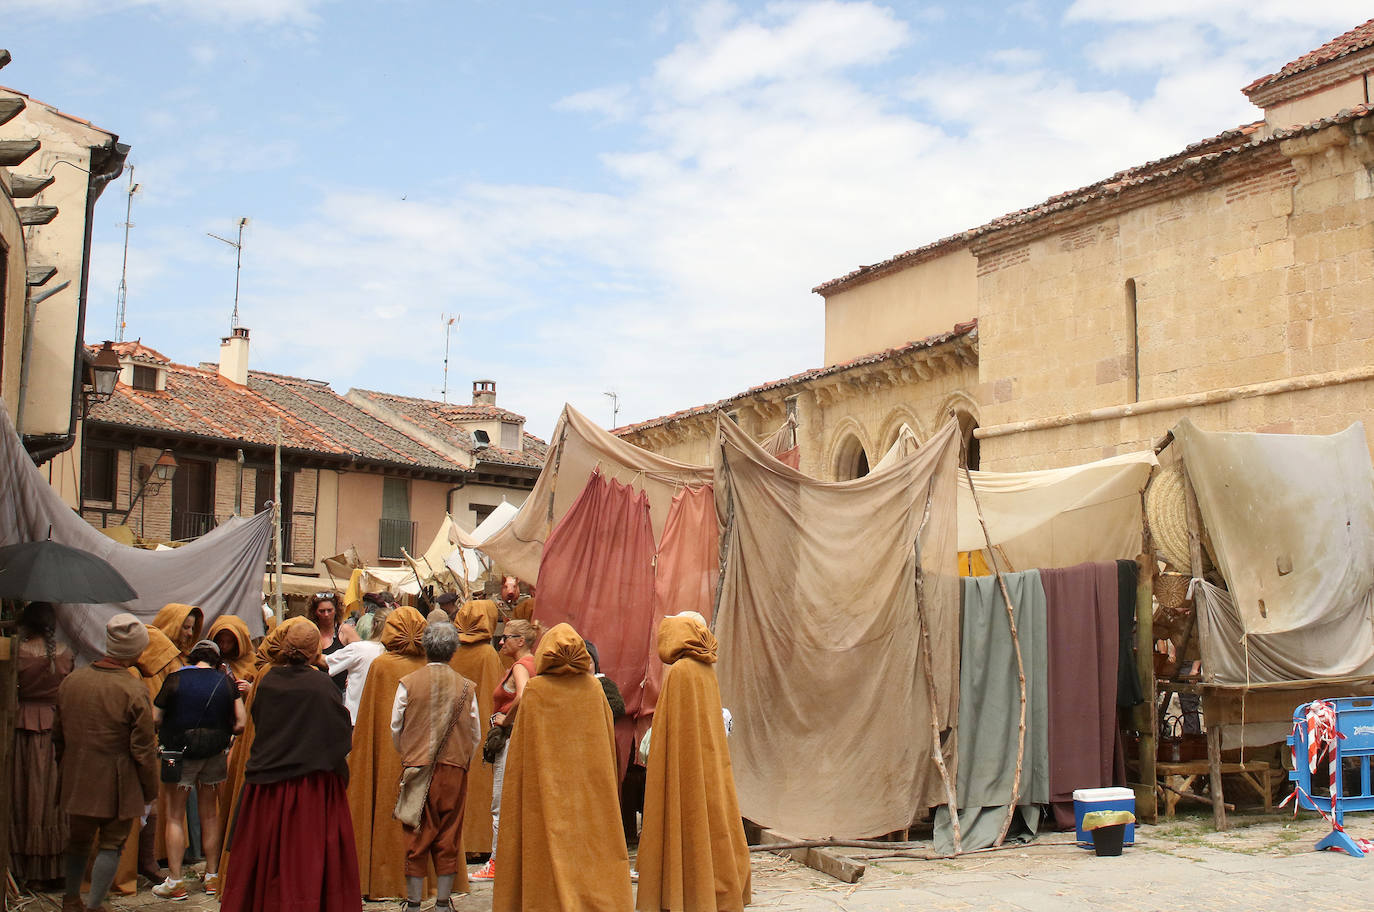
(193, 499)
(1133, 323)
(263, 492)
(99, 467)
(481, 438)
(480, 511)
(851, 460)
(145, 378)
(395, 531)
(510, 435)
(791, 403)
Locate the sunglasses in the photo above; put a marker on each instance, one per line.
(325, 595)
(509, 636)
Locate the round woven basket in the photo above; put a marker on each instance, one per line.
(1171, 589)
(1167, 514)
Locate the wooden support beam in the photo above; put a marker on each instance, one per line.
(14, 151)
(26, 186)
(36, 215)
(10, 106)
(827, 861)
(39, 275)
(1194, 517)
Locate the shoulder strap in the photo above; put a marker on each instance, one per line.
(452, 721)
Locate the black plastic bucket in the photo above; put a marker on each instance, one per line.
(1107, 840)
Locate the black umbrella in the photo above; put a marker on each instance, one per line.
(44, 571)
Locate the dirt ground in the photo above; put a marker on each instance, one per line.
(1263, 862)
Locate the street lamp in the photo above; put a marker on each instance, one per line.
(155, 477)
(102, 373)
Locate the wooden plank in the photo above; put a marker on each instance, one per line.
(1147, 721)
(827, 861)
(39, 275)
(10, 106)
(1214, 776)
(14, 151)
(27, 186)
(36, 215)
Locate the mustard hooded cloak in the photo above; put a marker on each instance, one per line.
(374, 766)
(477, 661)
(562, 845)
(693, 856)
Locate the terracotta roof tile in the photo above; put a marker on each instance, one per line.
(59, 112)
(969, 329)
(1196, 155)
(446, 421)
(1358, 38)
(314, 419)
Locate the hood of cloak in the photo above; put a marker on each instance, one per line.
(685, 637)
(170, 619)
(403, 631)
(473, 623)
(243, 661)
(562, 652)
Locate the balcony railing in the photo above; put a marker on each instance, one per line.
(392, 536)
(187, 525)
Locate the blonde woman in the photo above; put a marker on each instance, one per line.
(517, 643)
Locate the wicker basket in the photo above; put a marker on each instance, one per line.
(1171, 590)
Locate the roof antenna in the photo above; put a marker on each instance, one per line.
(615, 407)
(238, 264)
(122, 299)
(448, 330)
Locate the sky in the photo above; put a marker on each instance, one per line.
(633, 197)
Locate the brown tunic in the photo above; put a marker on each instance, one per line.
(434, 694)
(104, 736)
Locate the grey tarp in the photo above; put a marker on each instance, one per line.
(1345, 647)
(1291, 517)
(579, 447)
(221, 572)
(819, 649)
(990, 710)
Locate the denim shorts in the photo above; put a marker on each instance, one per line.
(205, 771)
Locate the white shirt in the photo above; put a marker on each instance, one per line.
(398, 709)
(356, 659)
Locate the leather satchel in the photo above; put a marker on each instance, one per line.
(415, 780)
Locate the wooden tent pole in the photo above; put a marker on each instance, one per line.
(1147, 721)
(1194, 515)
(1020, 663)
(928, 660)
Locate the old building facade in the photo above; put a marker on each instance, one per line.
(349, 478)
(1231, 282)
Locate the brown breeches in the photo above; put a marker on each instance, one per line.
(440, 833)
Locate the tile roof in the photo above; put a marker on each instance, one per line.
(1200, 154)
(138, 351)
(446, 421)
(960, 330)
(314, 419)
(1358, 38)
(1227, 139)
(58, 111)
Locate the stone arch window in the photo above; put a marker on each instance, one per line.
(851, 460)
(967, 425)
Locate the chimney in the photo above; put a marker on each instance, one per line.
(484, 392)
(233, 356)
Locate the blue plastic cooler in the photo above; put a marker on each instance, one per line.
(1102, 799)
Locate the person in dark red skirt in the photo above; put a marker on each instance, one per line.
(291, 843)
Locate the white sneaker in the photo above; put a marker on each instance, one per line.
(174, 890)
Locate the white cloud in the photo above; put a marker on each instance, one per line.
(1238, 15)
(763, 163)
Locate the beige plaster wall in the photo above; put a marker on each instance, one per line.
(14, 293)
(488, 495)
(1258, 279)
(359, 508)
(1317, 105)
(326, 517)
(901, 307)
(61, 244)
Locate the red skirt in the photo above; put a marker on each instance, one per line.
(293, 850)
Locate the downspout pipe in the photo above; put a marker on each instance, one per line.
(107, 163)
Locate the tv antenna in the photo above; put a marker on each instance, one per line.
(122, 300)
(448, 330)
(615, 406)
(238, 264)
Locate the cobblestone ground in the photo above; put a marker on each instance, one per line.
(1262, 863)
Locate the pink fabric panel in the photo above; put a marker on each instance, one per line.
(597, 574)
(687, 570)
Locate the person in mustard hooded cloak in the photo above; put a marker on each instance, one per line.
(235, 644)
(374, 766)
(561, 843)
(477, 661)
(182, 625)
(693, 856)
